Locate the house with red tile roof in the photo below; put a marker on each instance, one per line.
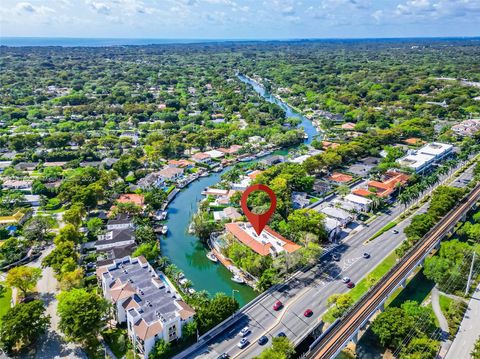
(134, 198)
(339, 177)
(201, 157)
(348, 126)
(267, 243)
(231, 150)
(391, 181)
(180, 163)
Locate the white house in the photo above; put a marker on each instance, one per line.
(361, 204)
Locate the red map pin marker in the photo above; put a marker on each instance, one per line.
(258, 221)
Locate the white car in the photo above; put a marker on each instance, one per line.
(244, 332)
(242, 343)
(345, 279)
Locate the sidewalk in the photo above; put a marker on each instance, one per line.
(469, 330)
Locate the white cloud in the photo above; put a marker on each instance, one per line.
(28, 8)
(99, 7)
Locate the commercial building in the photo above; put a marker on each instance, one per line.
(423, 158)
(268, 243)
(146, 301)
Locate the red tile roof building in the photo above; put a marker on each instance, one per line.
(340, 177)
(268, 243)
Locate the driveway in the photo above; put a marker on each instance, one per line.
(52, 344)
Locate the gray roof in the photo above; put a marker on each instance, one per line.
(118, 235)
(153, 301)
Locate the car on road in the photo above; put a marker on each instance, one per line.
(350, 284)
(281, 335)
(242, 343)
(263, 340)
(244, 332)
(366, 255)
(335, 257)
(345, 279)
(395, 231)
(224, 356)
(308, 313)
(278, 305)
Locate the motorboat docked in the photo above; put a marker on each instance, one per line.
(160, 215)
(246, 159)
(161, 229)
(212, 257)
(237, 279)
(305, 136)
(191, 290)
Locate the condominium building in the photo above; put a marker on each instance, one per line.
(146, 301)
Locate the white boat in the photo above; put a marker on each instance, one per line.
(236, 278)
(212, 257)
(161, 215)
(191, 290)
(183, 281)
(305, 136)
(164, 230)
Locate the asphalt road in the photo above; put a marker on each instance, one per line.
(310, 290)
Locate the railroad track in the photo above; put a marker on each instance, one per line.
(342, 330)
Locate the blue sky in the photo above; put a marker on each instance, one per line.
(239, 19)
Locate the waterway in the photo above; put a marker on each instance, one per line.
(186, 251)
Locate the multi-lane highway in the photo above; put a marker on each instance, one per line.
(308, 290)
(344, 329)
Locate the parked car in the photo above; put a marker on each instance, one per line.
(345, 279)
(263, 340)
(278, 305)
(242, 343)
(244, 332)
(366, 255)
(281, 335)
(350, 284)
(308, 313)
(335, 257)
(224, 356)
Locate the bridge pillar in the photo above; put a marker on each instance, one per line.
(404, 283)
(355, 338)
(381, 307)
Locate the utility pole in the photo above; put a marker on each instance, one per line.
(470, 274)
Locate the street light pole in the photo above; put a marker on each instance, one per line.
(470, 274)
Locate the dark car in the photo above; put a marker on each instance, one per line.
(263, 340)
(281, 335)
(308, 313)
(278, 305)
(335, 257)
(350, 284)
(224, 356)
(366, 255)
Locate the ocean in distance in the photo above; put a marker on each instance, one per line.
(99, 42)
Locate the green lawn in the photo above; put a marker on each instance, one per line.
(383, 230)
(5, 301)
(117, 340)
(362, 287)
(417, 289)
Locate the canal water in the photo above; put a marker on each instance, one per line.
(186, 251)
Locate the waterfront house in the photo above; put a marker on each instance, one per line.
(170, 173)
(267, 243)
(202, 157)
(180, 163)
(215, 154)
(115, 238)
(145, 300)
(228, 213)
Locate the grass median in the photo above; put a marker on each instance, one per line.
(362, 286)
